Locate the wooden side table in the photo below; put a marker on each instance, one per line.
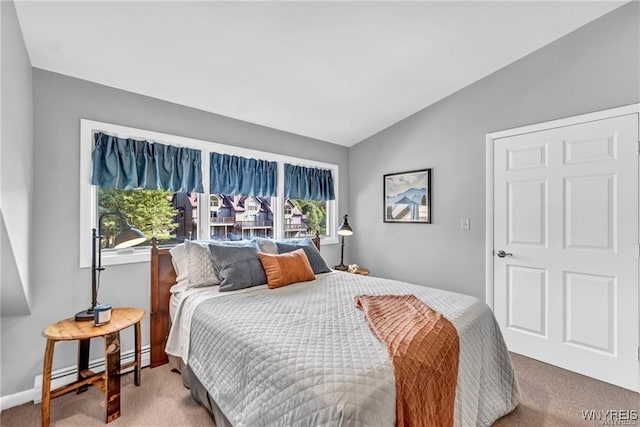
(109, 380)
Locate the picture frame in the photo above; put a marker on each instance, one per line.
(407, 197)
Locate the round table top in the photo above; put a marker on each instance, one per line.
(69, 329)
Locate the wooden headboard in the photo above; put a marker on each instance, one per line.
(163, 277)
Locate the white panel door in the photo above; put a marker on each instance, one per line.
(566, 217)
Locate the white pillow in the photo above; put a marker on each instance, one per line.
(179, 261)
(199, 266)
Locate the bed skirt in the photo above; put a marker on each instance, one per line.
(198, 392)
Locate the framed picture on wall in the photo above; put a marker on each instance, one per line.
(407, 197)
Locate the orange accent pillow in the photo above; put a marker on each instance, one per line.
(285, 269)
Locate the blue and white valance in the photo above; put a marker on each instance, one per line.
(240, 175)
(127, 163)
(308, 183)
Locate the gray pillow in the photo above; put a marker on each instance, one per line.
(318, 263)
(238, 267)
(296, 241)
(268, 246)
(227, 242)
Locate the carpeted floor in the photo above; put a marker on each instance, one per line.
(555, 397)
(550, 396)
(161, 400)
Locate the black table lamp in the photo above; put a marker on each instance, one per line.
(343, 230)
(128, 236)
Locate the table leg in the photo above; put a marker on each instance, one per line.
(112, 355)
(138, 358)
(83, 361)
(46, 383)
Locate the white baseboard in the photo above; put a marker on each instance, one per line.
(64, 376)
(16, 399)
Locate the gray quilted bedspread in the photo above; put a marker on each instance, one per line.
(303, 355)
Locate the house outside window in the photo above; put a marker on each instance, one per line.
(173, 217)
(241, 217)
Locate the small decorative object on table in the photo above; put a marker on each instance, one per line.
(102, 314)
(356, 269)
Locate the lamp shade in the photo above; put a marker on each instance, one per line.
(345, 228)
(129, 237)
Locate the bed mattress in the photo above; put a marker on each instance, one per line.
(304, 355)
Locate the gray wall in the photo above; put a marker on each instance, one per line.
(60, 287)
(16, 166)
(594, 68)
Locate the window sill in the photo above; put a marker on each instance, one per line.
(124, 256)
(133, 256)
(329, 241)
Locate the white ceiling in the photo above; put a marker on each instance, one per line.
(335, 71)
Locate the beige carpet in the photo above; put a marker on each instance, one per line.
(550, 396)
(554, 397)
(161, 400)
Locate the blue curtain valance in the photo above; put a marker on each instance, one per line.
(127, 163)
(308, 183)
(240, 175)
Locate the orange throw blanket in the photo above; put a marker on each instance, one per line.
(424, 348)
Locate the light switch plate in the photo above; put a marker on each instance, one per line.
(465, 223)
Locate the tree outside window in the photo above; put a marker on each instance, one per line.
(313, 215)
(165, 215)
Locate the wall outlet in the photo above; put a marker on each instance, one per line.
(465, 224)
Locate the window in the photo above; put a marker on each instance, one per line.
(305, 218)
(252, 205)
(215, 202)
(173, 217)
(169, 217)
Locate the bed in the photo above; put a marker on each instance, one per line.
(304, 355)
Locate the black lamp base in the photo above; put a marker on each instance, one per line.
(85, 316)
(341, 267)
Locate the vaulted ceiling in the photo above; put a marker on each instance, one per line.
(335, 71)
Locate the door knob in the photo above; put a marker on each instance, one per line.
(503, 254)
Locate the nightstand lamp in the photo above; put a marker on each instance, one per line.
(343, 230)
(128, 236)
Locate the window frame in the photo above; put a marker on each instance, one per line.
(88, 192)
